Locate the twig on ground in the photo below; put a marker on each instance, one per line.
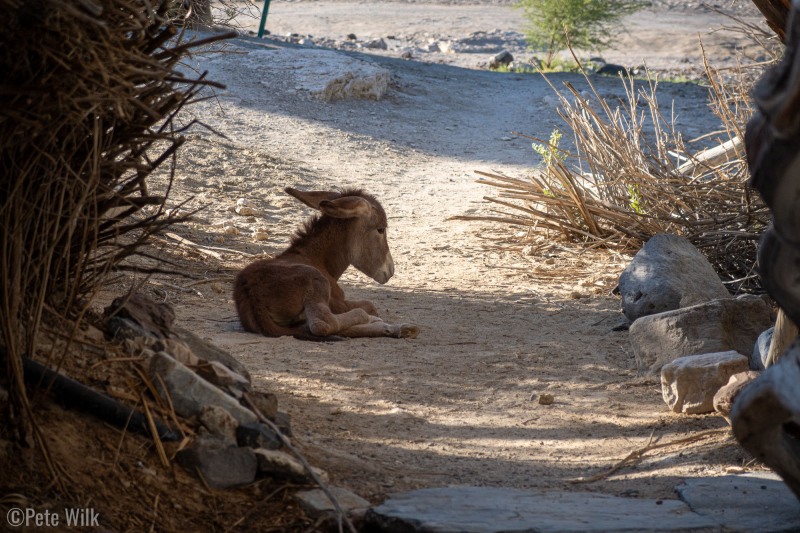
(636, 456)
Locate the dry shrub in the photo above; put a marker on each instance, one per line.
(632, 176)
(90, 91)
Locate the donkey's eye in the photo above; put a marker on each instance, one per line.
(381, 230)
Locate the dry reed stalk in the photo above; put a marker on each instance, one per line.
(627, 180)
(88, 98)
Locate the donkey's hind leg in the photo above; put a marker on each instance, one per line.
(322, 322)
(379, 328)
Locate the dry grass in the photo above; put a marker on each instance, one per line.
(631, 176)
(89, 95)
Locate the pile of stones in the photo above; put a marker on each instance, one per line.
(686, 326)
(240, 433)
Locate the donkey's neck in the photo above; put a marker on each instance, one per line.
(325, 250)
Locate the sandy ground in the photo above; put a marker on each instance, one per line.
(458, 405)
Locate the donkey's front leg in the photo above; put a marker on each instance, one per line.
(322, 321)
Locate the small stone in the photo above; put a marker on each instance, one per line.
(140, 314)
(219, 423)
(376, 44)
(284, 423)
(688, 384)
(257, 435)
(502, 59)
(265, 402)
(178, 350)
(724, 398)
(221, 376)
(281, 464)
(610, 69)
(260, 234)
(546, 399)
(245, 207)
(220, 465)
(351, 37)
(407, 54)
(317, 504)
(761, 350)
(229, 228)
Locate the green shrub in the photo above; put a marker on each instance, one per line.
(588, 24)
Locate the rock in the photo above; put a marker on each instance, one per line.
(155, 319)
(265, 402)
(281, 464)
(284, 423)
(369, 84)
(208, 352)
(179, 350)
(724, 398)
(610, 69)
(317, 505)
(765, 418)
(501, 59)
(761, 350)
(546, 399)
(260, 234)
(716, 326)
(446, 47)
(190, 393)
(220, 465)
(376, 44)
(352, 36)
(246, 207)
(221, 376)
(667, 273)
(219, 423)
(118, 329)
(257, 435)
(688, 384)
(750, 502)
(492, 510)
(407, 54)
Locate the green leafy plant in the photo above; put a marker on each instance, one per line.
(588, 24)
(550, 151)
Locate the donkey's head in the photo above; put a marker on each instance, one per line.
(362, 228)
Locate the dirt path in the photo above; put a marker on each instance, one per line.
(458, 404)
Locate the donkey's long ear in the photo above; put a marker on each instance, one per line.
(346, 207)
(311, 198)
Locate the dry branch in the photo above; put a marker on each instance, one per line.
(631, 177)
(88, 97)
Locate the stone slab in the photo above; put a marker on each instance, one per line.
(495, 510)
(750, 502)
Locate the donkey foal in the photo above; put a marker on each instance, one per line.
(296, 293)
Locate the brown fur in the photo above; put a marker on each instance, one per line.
(297, 292)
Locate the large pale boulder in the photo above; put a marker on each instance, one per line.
(716, 326)
(667, 273)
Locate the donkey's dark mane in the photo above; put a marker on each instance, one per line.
(317, 224)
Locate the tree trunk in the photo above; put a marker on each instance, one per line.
(766, 415)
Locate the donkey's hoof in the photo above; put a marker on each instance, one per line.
(408, 331)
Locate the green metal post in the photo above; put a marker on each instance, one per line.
(263, 19)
